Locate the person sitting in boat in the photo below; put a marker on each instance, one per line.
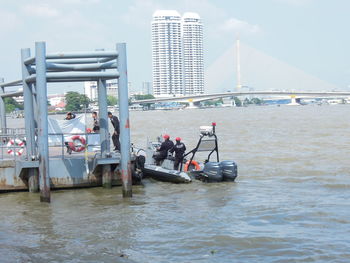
(70, 116)
(162, 151)
(179, 148)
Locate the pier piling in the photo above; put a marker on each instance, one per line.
(41, 89)
(124, 121)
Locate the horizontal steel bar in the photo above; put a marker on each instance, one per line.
(76, 75)
(93, 54)
(11, 84)
(76, 80)
(80, 61)
(12, 94)
(73, 67)
(29, 61)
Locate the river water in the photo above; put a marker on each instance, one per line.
(290, 202)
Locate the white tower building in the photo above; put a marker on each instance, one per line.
(192, 37)
(167, 53)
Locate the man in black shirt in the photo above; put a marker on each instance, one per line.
(115, 136)
(179, 148)
(162, 152)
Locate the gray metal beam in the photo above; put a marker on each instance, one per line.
(124, 121)
(92, 54)
(81, 60)
(102, 103)
(28, 107)
(80, 67)
(2, 110)
(41, 89)
(11, 84)
(11, 94)
(52, 77)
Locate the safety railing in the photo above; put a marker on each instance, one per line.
(63, 145)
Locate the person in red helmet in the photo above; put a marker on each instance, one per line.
(179, 148)
(162, 151)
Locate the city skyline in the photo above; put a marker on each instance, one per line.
(307, 34)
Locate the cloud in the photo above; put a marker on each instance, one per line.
(40, 10)
(9, 21)
(239, 26)
(140, 13)
(296, 2)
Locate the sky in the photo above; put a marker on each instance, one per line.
(311, 36)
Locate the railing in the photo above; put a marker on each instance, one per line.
(12, 131)
(60, 144)
(13, 144)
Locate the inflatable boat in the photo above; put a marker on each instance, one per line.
(207, 171)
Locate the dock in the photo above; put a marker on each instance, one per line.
(28, 161)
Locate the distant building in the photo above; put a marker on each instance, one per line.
(57, 100)
(192, 37)
(90, 89)
(147, 87)
(167, 53)
(177, 53)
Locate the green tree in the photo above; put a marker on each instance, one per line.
(256, 101)
(111, 100)
(238, 102)
(144, 97)
(76, 101)
(11, 104)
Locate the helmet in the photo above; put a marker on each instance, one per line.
(166, 136)
(178, 139)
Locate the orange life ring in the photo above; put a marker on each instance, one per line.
(188, 163)
(77, 147)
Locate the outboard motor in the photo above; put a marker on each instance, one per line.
(229, 170)
(212, 172)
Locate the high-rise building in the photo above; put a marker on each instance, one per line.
(90, 89)
(167, 53)
(177, 53)
(193, 66)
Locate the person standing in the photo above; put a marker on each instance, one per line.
(179, 148)
(96, 127)
(115, 136)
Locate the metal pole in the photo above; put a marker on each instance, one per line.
(41, 89)
(28, 106)
(102, 103)
(104, 137)
(33, 180)
(2, 110)
(124, 121)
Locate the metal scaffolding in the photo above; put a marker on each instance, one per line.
(42, 68)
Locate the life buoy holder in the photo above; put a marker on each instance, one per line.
(76, 146)
(188, 163)
(15, 147)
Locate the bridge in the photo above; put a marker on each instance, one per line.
(202, 97)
